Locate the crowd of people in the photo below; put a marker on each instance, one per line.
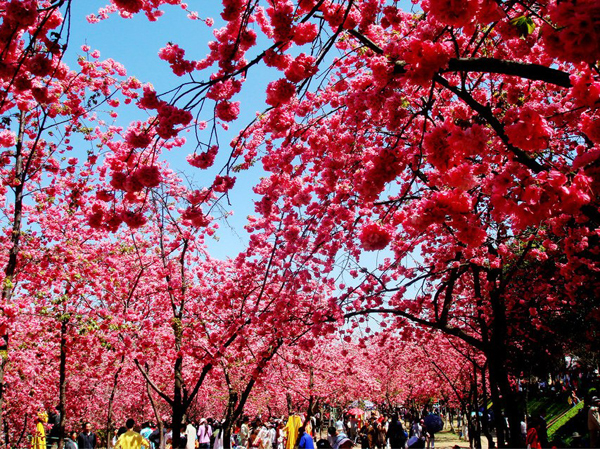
(372, 430)
(295, 431)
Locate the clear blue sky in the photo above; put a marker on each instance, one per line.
(135, 43)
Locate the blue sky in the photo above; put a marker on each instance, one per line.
(135, 43)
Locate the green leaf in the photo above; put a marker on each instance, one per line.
(524, 25)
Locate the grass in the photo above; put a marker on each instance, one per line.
(554, 407)
(563, 419)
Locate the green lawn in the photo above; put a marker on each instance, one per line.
(562, 419)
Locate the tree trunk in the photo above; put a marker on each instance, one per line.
(11, 265)
(510, 403)
(62, 382)
(485, 423)
(499, 421)
(497, 357)
(178, 408)
(18, 444)
(6, 438)
(229, 419)
(111, 401)
(477, 436)
(159, 421)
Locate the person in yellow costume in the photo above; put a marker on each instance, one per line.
(131, 439)
(291, 428)
(38, 441)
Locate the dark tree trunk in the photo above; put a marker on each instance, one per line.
(62, 388)
(477, 424)
(510, 404)
(485, 423)
(111, 400)
(497, 358)
(18, 444)
(159, 421)
(11, 265)
(178, 402)
(499, 421)
(229, 419)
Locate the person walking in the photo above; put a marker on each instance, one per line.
(147, 429)
(395, 433)
(131, 439)
(305, 441)
(204, 434)
(594, 422)
(53, 435)
(71, 441)
(39, 437)
(244, 431)
(191, 435)
(264, 436)
(532, 439)
(87, 439)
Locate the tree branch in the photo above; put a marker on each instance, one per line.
(535, 72)
(432, 325)
(152, 384)
(489, 116)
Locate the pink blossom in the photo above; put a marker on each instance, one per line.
(7, 138)
(301, 68)
(174, 55)
(576, 35)
(273, 58)
(22, 12)
(149, 100)
(118, 180)
(591, 127)
(227, 111)
(223, 183)
(133, 219)
(138, 138)
(203, 160)
(527, 129)
(305, 33)
(149, 175)
(280, 92)
(452, 12)
(131, 6)
(425, 58)
(374, 237)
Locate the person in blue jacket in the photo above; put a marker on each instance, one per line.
(305, 440)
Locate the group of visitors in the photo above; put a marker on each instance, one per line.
(85, 439)
(125, 438)
(377, 432)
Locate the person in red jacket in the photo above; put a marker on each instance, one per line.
(533, 441)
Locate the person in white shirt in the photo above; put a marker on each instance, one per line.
(417, 429)
(272, 434)
(218, 435)
(191, 435)
(244, 431)
(264, 436)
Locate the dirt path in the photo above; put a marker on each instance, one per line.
(447, 440)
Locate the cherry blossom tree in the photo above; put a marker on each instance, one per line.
(436, 167)
(463, 136)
